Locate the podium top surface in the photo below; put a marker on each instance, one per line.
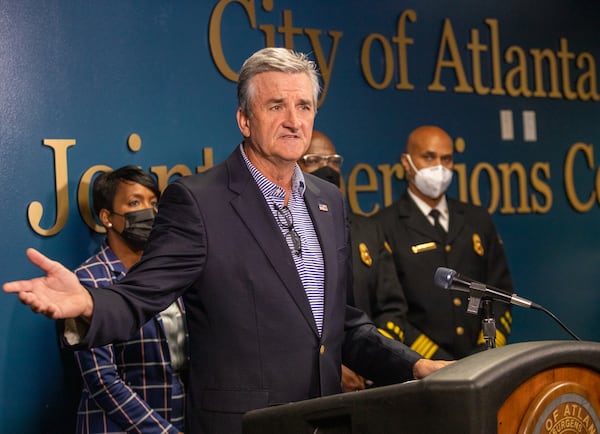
(464, 397)
(522, 360)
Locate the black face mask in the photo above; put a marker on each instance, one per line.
(328, 174)
(138, 225)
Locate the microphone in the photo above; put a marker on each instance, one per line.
(447, 278)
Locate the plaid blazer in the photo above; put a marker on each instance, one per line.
(127, 386)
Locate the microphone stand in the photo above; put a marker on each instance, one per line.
(488, 323)
(478, 303)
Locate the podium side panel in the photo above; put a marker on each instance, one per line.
(567, 397)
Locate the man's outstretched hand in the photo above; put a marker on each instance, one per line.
(56, 295)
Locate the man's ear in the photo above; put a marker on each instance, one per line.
(243, 122)
(405, 163)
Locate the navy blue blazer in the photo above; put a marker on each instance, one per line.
(253, 339)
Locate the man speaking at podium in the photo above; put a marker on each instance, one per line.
(261, 256)
(427, 230)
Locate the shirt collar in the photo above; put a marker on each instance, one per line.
(270, 189)
(442, 205)
(112, 261)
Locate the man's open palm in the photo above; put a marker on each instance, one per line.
(56, 295)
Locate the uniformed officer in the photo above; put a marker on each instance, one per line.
(426, 230)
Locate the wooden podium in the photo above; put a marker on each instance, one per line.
(532, 387)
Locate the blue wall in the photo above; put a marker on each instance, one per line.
(93, 75)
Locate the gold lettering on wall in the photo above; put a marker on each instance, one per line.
(553, 72)
(324, 62)
(387, 173)
(507, 188)
(354, 188)
(541, 187)
(540, 59)
(449, 46)
(214, 34)
(35, 210)
(164, 174)
(365, 61)
(83, 196)
(508, 170)
(402, 41)
(516, 79)
(494, 186)
(569, 173)
(207, 157)
(587, 83)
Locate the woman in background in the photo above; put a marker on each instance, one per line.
(133, 386)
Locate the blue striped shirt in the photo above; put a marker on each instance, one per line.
(309, 263)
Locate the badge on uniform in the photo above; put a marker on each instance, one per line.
(424, 247)
(365, 256)
(477, 245)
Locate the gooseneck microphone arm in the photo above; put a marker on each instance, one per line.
(447, 278)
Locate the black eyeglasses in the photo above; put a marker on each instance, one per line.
(286, 221)
(334, 160)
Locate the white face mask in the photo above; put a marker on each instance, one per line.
(431, 181)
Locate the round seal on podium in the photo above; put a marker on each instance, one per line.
(562, 408)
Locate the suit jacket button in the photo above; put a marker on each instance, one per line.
(322, 349)
(460, 331)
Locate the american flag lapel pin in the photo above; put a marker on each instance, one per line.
(323, 207)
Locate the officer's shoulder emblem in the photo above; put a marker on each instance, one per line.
(365, 256)
(478, 245)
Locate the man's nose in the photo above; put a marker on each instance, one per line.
(292, 119)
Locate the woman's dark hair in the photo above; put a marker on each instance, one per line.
(105, 185)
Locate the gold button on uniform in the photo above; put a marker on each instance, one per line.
(322, 349)
(448, 248)
(457, 302)
(460, 331)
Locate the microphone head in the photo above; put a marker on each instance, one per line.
(443, 277)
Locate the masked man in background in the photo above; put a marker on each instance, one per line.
(427, 230)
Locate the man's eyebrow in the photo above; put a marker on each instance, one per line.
(275, 101)
(302, 101)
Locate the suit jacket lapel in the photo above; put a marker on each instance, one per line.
(457, 220)
(415, 219)
(255, 214)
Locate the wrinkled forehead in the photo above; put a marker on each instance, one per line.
(276, 85)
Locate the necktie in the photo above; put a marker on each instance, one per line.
(436, 223)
